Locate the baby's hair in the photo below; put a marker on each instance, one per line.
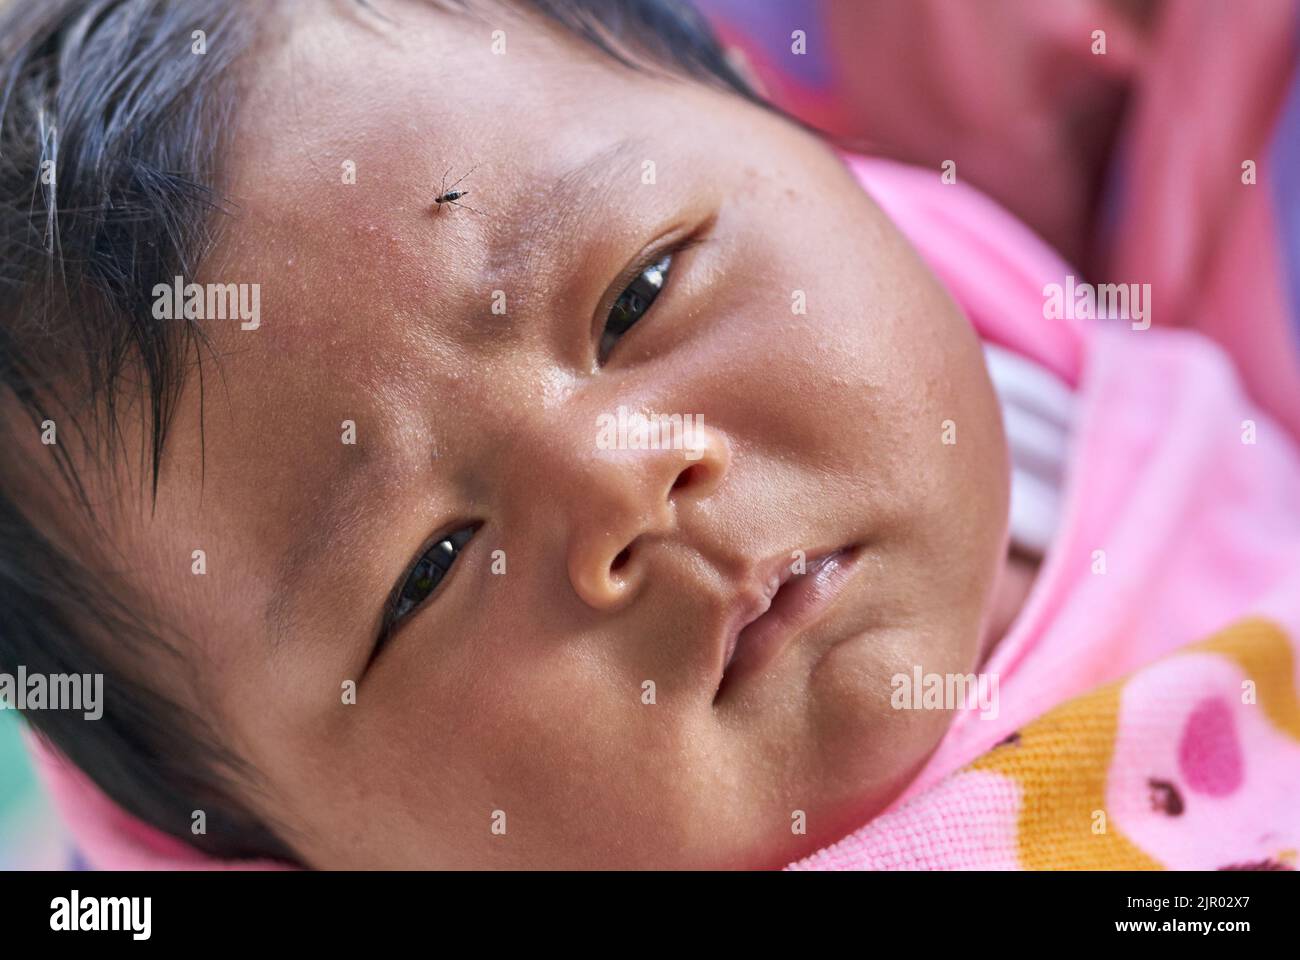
(111, 130)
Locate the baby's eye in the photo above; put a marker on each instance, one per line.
(634, 302)
(425, 576)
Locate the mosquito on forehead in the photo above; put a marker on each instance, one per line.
(451, 195)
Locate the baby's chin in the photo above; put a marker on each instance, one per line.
(879, 727)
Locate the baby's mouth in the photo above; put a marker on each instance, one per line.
(776, 606)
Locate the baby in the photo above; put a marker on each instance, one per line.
(367, 584)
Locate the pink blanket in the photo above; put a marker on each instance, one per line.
(1148, 708)
(1196, 194)
(1149, 713)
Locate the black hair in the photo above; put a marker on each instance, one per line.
(111, 130)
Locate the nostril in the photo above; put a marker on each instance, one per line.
(685, 478)
(621, 560)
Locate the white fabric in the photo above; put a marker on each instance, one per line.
(1037, 414)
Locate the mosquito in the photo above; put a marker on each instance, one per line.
(450, 195)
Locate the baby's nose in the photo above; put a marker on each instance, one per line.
(618, 502)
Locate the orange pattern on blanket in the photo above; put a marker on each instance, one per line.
(1260, 648)
(1061, 761)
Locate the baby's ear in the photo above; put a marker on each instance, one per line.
(740, 62)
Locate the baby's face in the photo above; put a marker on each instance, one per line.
(557, 699)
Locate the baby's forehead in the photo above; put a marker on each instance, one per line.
(335, 103)
(347, 136)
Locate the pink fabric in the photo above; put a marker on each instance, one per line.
(106, 836)
(1207, 96)
(1198, 529)
(1012, 92)
(1007, 89)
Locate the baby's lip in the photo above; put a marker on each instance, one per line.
(765, 615)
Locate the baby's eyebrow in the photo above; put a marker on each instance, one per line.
(332, 533)
(598, 166)
(568, 201)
